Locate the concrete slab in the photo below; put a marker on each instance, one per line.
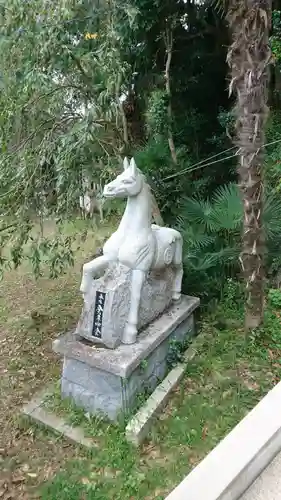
(268, 484)
(38, 412)
(140, 425)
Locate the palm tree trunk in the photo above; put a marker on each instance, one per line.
(249, 57)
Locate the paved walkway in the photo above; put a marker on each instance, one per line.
(268, 484)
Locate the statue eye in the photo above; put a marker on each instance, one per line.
(127, 181)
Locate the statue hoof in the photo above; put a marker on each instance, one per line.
(130, 334)
(176, 297)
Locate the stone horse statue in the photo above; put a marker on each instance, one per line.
(137, 244)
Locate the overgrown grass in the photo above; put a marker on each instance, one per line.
(32, 313)
(228, 376)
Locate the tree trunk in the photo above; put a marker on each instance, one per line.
(249, 57)
(119, 103)
(169, 48)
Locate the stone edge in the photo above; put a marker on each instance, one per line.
(139, 426)
(245, 452)
(36, 411)
(125, 370)
(195, 303)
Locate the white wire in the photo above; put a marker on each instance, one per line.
(202, 163)
(199, 163)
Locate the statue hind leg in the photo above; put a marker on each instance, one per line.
(177, 263)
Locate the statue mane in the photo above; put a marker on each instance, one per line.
(144, 178)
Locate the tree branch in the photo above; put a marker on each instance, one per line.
(48, 94)
(31, 136)
(38, 129)
(8, 227)
(77, 61)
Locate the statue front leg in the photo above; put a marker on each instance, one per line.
(130, 332)
(92, 270)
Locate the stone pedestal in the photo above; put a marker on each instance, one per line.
(107, 303)
(108, 382)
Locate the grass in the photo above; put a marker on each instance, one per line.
(32, 313)
(222, 383)
(225, 380)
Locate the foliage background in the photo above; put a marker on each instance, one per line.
(74, 105)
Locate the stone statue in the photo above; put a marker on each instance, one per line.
(137, 245)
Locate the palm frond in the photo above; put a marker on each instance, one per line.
(211, 232)
(272, 217)
(220, 6)
(196, 238)
(227, 210)
(195, 211)
(216, 259)
(222, 213)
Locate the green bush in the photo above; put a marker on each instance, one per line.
(155, 162)
(211, 230)
(274, 298)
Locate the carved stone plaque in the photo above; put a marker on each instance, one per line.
(98, 314)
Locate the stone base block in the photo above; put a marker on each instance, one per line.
(108, 382)
(107, 304)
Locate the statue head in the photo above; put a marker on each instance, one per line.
(129, 183)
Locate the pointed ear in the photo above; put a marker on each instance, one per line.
(126, 163)
(133, 167)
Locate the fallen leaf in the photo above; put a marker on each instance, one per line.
(193, 460)
(252, 386)
(271, 355)
(18, 480)
(85, 480)
(204, 432)
(227, 393)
